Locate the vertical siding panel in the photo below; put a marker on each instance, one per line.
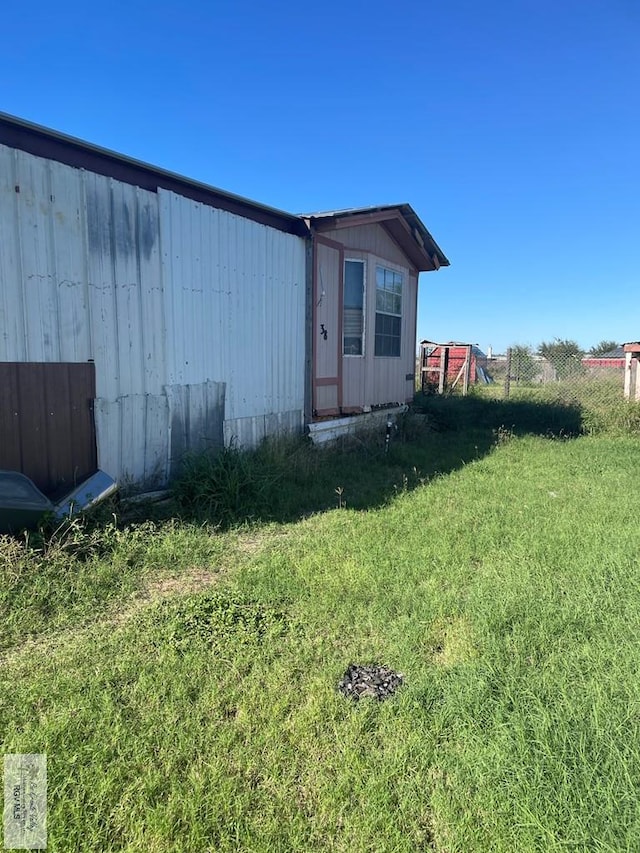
(125, 278)
(101, 286)
(13, 339)
(38, 270)
(202, 293)
(31, 400)
(168, 285)
(58, 423)
(245, 326)
(67, 238)
(108, 435)
(10, 448)
(151, 297)
(219, 296)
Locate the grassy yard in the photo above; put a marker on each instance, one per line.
(182, 678)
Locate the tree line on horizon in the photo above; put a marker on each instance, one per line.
(564, 355)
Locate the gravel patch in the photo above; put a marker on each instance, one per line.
(369, 681)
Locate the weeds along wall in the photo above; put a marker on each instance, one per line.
(194, 316)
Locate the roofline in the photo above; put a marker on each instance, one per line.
(53, 145)
(450, 343)
(413, 238)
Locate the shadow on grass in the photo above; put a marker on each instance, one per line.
(286, 480)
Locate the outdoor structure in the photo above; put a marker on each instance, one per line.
(144, 314)
(632, 370)
(612, 360)
(445, 366)
(365, 290)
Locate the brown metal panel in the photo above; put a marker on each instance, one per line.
(46, 422)
(32, 422)
(10, 448)
(59, 420)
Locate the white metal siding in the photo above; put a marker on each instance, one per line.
(80, 275)
(162, 293)
(235, 294)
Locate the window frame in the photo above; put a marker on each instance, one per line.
(364, 307)
(387, 267)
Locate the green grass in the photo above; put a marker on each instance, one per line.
(506, 589)
(597, 400)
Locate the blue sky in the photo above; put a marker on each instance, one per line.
(512, 128)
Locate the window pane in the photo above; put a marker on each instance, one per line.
(388, 335)
(388, 291)
(352, 322)
(388, 329)
(353, 308)
(353, 284)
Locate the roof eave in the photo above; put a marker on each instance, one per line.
(53, 145)
(400, 221)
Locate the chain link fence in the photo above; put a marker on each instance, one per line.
(559, 369)
(567, 375)
(560, 373)
(601, 385)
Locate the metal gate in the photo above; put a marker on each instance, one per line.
(47, 429)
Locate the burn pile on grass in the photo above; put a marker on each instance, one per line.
(369, 681)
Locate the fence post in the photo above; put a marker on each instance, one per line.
(467, 372)
(444, 364)
(507, 375)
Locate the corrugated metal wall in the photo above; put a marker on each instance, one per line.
(236, 313)
(163, 294)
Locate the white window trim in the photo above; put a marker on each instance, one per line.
(364, 309)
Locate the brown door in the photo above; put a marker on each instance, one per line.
(47, 428)
(327, 326)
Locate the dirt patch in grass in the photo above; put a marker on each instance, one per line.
(183, 584)
(451, 642)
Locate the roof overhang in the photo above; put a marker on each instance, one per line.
(400, 221)
(43, 142)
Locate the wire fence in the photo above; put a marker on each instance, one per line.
(567, 376)
(556, 372)
(603, 387)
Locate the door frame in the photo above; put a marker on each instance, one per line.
(324, 381)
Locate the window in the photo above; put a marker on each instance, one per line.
(388, 312)
(353, 310)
